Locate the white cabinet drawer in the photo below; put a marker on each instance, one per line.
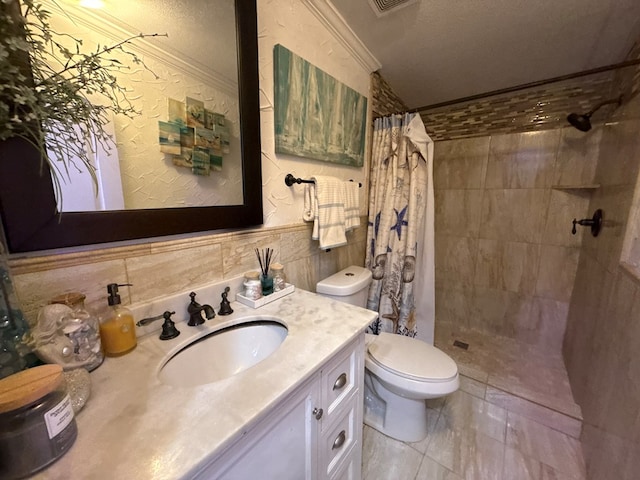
(340, 379)
(338, 442)
(351, 469)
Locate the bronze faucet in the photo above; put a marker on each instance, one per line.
(195, 312)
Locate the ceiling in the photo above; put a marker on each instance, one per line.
(433, 51)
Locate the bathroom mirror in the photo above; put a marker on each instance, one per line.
(30, 218)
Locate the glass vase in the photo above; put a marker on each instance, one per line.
(15, 355)
(267, 284)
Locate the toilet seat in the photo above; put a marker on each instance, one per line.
(398, 354)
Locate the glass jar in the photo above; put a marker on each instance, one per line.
(253, 289)
(251, 275)
(83, 330)
(39, 426)
(279, 278)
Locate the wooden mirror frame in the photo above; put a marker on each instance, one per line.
(30, 219)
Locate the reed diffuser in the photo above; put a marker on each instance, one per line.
(266, 280)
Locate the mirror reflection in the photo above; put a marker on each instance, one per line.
(196, 63)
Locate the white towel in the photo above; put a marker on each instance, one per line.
(329, 225)
(352, 205)
(310, 205)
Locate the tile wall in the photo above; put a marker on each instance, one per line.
(384, 101)
(505, 255)
(167, 266)
(534, 109)
(159, 268)
(603, 329)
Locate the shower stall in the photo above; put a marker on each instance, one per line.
(549, 318)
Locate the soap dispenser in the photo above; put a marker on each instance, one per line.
(117, 331)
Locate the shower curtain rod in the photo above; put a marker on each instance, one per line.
(524, 86)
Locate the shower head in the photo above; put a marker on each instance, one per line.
(583, 121)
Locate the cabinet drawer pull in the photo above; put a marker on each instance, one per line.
(341, 381)
(339, 441)
(317, 412)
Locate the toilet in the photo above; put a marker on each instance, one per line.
(400, 372)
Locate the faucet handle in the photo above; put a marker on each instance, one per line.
(225, 306)
(192, 295)
(148, 320)
(169, 329)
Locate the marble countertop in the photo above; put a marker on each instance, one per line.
(133, 426)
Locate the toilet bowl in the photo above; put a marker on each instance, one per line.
(400, 372)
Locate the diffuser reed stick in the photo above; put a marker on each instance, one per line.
(264, 259)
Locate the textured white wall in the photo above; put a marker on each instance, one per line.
(149, 178)
(289, 23)
(292, 24)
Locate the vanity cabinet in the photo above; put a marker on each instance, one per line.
(314, 433)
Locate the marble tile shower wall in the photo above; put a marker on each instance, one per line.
(603, 329)
(156, 269)
(505, 255)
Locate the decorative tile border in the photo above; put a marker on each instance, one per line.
(32, 264)
(384, 101)
(539, 108)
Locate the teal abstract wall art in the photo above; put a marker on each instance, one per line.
(316, 116)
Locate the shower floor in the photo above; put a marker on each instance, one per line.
(514, 375)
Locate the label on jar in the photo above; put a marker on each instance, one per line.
(59, 417)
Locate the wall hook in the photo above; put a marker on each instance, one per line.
(595, 223)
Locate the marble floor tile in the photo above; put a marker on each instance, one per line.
(436, 403)
(431, 470)
(517, 368)
(466, 452)
(467, 369)
(543, 385)
(384, 458)
(473, 362)
(521, 467)
(472, 386)
(533, 411)
(548, 446)
(464, 411)
(495, 426)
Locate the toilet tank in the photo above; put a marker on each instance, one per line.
(350, 285)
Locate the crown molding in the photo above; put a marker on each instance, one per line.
(108, 26)
(337, 25)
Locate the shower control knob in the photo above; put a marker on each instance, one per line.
(595, 223)
(317, 412)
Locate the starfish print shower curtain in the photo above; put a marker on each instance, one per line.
(396, 236)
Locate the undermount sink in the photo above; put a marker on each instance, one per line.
(223, 353)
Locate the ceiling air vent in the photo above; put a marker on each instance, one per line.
(385, 7)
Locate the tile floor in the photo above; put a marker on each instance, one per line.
(508, 365)
(529, 431)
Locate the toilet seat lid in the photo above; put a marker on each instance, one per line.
(412, 358)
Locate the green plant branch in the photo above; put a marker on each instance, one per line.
(94, 60)
(51, 109)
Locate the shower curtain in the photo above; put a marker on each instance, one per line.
(400, 237)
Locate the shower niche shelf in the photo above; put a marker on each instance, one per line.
(587, 187)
